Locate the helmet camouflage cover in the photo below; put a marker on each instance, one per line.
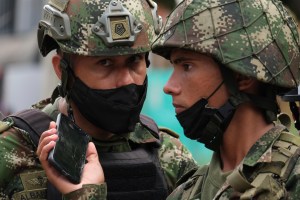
(98, 27)
(256, 38)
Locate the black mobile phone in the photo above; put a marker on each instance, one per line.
(69, 153)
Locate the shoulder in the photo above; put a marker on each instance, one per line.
(170, 140)
(170, 143)
(16, 153)
(175, 158)
(164, 130)
(11, 134)
(289, 146)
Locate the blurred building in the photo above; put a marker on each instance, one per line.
(26, 77)
(21, 74)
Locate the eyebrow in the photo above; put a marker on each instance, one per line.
(180, 60)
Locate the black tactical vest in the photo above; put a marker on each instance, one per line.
(134, 175)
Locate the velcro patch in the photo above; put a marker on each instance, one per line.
(34, 180)
(31, 194)
(120, 28)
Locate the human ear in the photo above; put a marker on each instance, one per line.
(246, 83)
(56, 65)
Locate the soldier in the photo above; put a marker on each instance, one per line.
(231, 59)
(102, 48)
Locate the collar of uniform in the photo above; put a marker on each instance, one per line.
(121, 143)
(52, 109)
(142, 135)
(261, 151)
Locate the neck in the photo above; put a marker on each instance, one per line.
(246, 127)
(83, 123)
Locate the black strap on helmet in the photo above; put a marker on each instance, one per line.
(295, 111)
(265, 102)
(292, 96)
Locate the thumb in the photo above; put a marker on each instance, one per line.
(52, 125)
(91, 153)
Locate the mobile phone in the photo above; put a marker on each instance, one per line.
(69, 153)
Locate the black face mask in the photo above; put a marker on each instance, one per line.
(194, 119)
(114, 110)
(206, 125)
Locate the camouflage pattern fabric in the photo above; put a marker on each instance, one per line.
(211, 183)
(22, 177)
(84, 15)
(88, 192)
(256, 38)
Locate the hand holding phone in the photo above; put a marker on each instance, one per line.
(68, 155)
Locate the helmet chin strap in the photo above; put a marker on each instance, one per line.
(220, 120)
(266, 102)
(217, 88)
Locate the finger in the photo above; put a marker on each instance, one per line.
(52, 125)
(45, 152)
(49, 136)
(91, 153)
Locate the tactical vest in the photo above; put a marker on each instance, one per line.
(285, 153)
(133, 175)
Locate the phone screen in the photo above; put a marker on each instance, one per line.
(69, 153)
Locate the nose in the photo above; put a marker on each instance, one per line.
(172, 87)
(124, 77)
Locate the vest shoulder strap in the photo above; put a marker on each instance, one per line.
(33, 121)
(169, 132)
(150, 124)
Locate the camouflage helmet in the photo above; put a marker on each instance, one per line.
(98, 27)
(252, 37)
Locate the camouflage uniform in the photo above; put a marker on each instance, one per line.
(257, 39)
(22, 176)
(209, 182)
(87, 28)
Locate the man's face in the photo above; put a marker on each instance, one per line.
(110, 72)
(195, 76)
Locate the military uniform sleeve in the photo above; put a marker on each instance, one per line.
(293, 183)
(175, 159)
(16, 154)
(87, 192)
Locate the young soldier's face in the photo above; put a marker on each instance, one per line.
(195, 76)
(104, 72)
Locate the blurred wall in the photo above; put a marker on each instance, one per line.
(26, 77)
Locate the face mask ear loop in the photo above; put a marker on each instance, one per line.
(68, 74)
(215, 90)
(70, 113)
(147, 60)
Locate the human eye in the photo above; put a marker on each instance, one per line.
(186, 66)
(105, 62)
